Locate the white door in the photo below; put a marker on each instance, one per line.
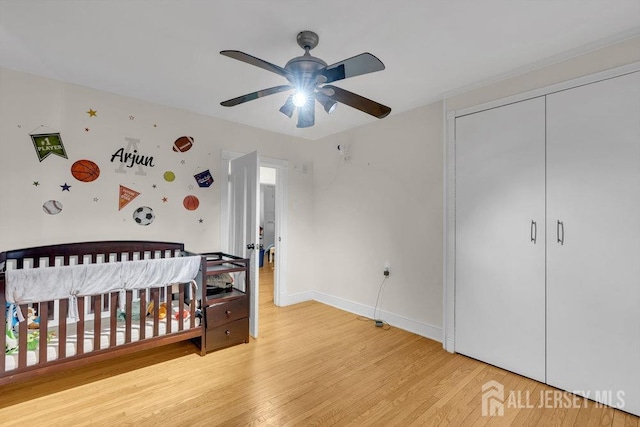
(500, 237)
(593, 235)
(244, 206)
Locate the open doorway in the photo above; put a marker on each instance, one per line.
(279, 266)
(267, 222)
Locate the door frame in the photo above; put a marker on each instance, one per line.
(282, 177)
(449, 193)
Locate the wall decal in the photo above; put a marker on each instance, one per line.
(85, 170)
(169, 176)
(143, 215)
(95, 199)
(182, 144)
(165, 200)
(201, 220)
(126, 195)
(65, 187)
(92, 113)
(47, 144)
(129, 156)
(191, 203)
(36, 183)
(204, 179)
(132, 117)
(52, 207)
(86, 129)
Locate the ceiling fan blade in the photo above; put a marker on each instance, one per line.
(245, 57)
(255, 95)
(358, 102)
(355, 66)
(306, 115)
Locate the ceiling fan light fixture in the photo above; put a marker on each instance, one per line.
(300, 98)
(329, 105)
(288, 107)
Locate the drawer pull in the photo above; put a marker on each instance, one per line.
(227, 332)
(228, 313)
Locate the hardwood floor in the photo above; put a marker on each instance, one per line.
(311, 365)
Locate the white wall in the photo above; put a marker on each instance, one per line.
(383, 203)
(26, 102)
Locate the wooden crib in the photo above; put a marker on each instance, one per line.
(42, 335)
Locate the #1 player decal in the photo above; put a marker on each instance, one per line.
(47, 144)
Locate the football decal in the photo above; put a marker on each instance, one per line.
(182, 144)
(143, 215)
(85, 170)
(52, 207)
(191, 203)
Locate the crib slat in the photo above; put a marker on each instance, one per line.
(193, 293)
(181, 306)
(167, 298)
(97, 322)
(113, 324)
(156, 311)
(63, 306)
(22, 338)
(43, 310)
(3, 321)
(128, 312)
(143, 313)
(80, 326)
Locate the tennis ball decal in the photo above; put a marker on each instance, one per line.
(85, 170)
(169, 176)
(52, 207)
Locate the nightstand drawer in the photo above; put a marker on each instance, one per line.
(232, 333)
(226, 312)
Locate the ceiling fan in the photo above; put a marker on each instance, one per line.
(308, 77)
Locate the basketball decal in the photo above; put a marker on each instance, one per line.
(182, 144)
(169, 176)
(85, 170)
(191, 203)
(52, 207)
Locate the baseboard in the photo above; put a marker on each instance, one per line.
(418, 328)
(449, 346)
(291, 299)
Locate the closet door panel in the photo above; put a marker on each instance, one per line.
(593, 274)
(500, 210)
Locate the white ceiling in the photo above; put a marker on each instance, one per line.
(166, 51)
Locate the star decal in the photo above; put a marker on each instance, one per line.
(92, 112)
(201, 220)
(86, 129)
(190, 186)
(154, 186)
(19, 126)
(65, 187)
(182, 161)
(155, 126)
(132, 117)
(165, 200)
(36, 183)
(95, 199)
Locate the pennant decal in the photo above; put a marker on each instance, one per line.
(126, 196)
(48, 143)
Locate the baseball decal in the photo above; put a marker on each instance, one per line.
(85, 170)
(182, 144)
(52, 207)
(191, 203)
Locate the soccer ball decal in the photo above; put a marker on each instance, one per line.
(143, 215)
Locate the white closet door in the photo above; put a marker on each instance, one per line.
(500, 206)
(593, 276)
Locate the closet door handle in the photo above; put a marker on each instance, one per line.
(560, 232)
(534, 231)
